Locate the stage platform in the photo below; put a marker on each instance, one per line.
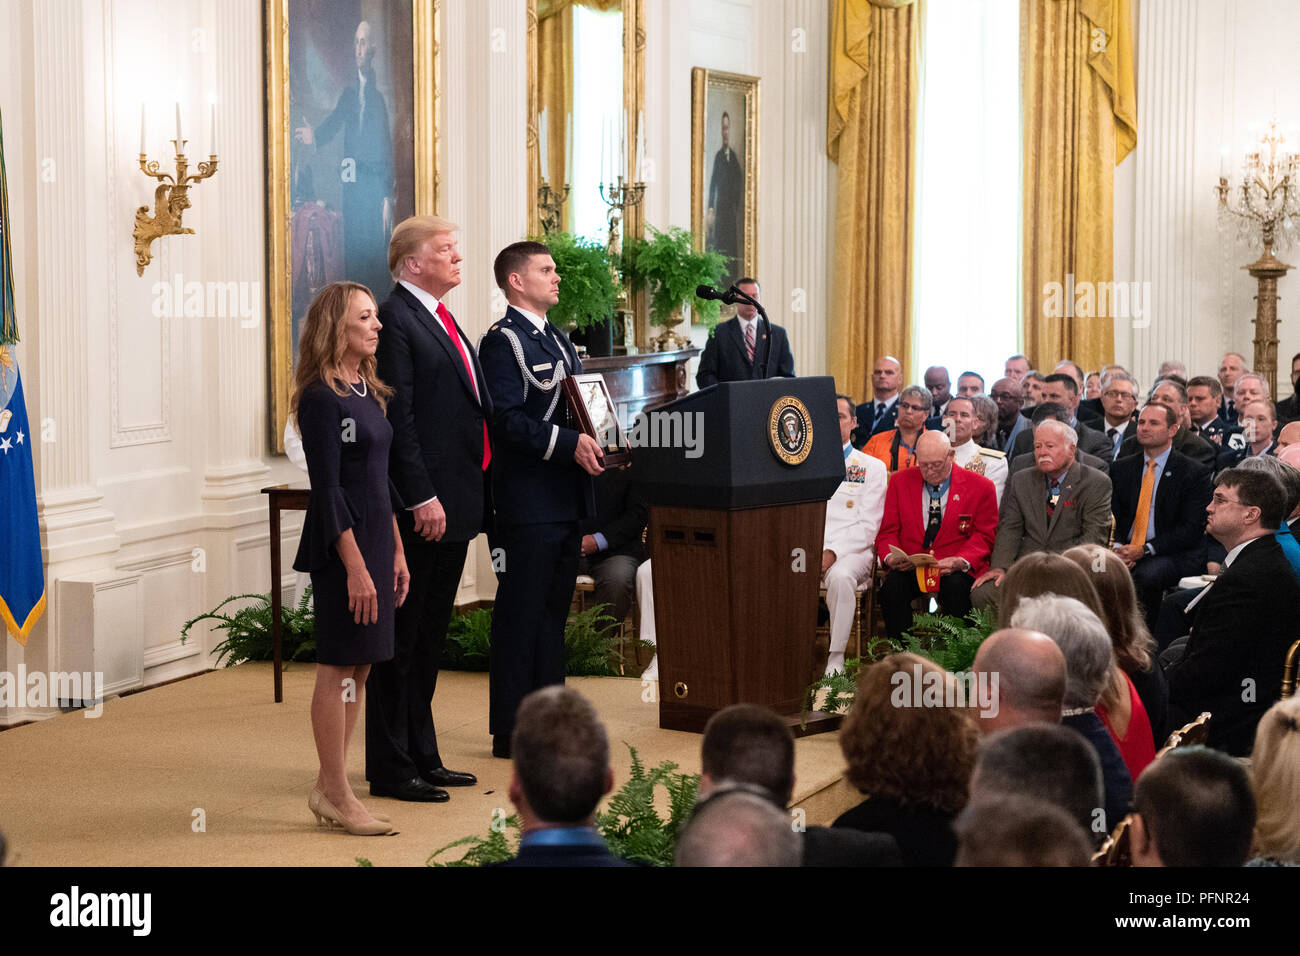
(127, 788)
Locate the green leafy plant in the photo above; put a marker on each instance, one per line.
(248, 630)
(587, 289)
(841, 686)
(591, 643)
(951, 642)
(669, 265)
(469, 641)
(630, 823)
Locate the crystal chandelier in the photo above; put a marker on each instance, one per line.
(1264, 207)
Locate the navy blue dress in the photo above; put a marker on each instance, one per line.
(346, 439)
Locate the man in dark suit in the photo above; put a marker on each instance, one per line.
(1060, 387)
(1258, 423)
(726, 206)
(879, 414)
(1203, 396)
(1009, 397)
(439, 462)
(561, 770)
(956, 527)
(738, 347)
(541, 484)
(1058, 412)
(750, 745)
(1288, 410)
(1167, 392)
(1119, 402)
(1232, 367)
(368, 184)
(1159, 533)
(1243, 623)
(611, 545)
(1056, 506)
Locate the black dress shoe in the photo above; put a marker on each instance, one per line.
(501, 746)
(414, 790)
(442, 777)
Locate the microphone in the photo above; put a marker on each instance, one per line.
(708, 292)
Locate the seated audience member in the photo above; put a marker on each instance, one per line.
(1288, 435)
(1275, 771)
(1204, 394)
(1172, 367)
(1032, 384)
(1134, 647)
(1193, 807)
(1043, 572)
(1030, 671)
(1248, 388)
(1088, 662)
(945, 511)
(879, 414)
(1092, 387)
(1016, 367)
(939, 385)
(749, 744)
(1288, 410)
(1243, 623)
(912, 762)
(1231, 367)
(1008, 395)
(848, 545)
(611, 545)
(1019, 831)
(896, 447)
(1046, 762)
(959, 424)
(734, 827)
(1057, 411)
(970, 383)
(1058, 505)
(1119, 409)
(561, 770)
(1061, 387)
(1257, 421)
(986, 422)
(1091, 409)
(1288, 476)
(1158, 499)
(1167, 392)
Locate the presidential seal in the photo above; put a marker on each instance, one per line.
(789, 428)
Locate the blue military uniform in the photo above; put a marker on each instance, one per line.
(540, 495)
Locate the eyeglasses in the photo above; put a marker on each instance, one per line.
(1116, 393)
(1220, 499)
(912, 408)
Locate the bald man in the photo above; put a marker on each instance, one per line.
(1031, 678)
(879, 414)
(936, 509)
(1289, 435)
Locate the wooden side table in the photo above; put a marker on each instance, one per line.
(281, 498)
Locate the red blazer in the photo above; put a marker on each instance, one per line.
(969, 494)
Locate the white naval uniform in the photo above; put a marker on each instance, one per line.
(853, 517)
(995, 464)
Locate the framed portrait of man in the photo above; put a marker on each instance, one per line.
(724, 167)
(351, 147)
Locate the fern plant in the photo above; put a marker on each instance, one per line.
(669, 265)
(469, 641)
(591, 643)
(587, 290)
(248, 630)
(630, 824)
(951, 642)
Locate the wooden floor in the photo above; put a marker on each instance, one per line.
(132, 786)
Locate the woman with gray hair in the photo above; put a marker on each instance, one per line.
(1089, 657)
(897, 446)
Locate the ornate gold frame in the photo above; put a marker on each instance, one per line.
(633, 106)
(701, 80)
(425, 17)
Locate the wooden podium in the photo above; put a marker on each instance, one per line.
(735, 535)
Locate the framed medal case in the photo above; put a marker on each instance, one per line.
(592, 412)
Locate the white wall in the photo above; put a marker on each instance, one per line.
(149, 490)
(1210, 74)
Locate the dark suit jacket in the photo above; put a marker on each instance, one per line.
(1082, 514)
(534, 476)
(1020, 462)
(563, 856)
(1179, 505)
(1288, 410)
(1241, 630)
(621, 515)
(1022, 424)
(841, 846)
(436, 415)
(1217, 432)
(1090, 440)
(924, 834)
(869, 425)
(1091, 412)
(1115, 776)
(1185, 443)
(724, 357)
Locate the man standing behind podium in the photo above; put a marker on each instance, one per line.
(541, 485)
(735, 351)
(439, 463)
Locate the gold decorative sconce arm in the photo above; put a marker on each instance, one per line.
(170, 200)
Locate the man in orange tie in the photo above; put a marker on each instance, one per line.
(1158, 500)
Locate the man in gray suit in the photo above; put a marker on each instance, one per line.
(1057, 505)
(1042, 412)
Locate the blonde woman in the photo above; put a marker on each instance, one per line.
(350, 544)
(1275, 772)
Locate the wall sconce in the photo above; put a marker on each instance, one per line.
(171, 198)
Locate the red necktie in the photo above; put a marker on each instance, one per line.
(449, 324)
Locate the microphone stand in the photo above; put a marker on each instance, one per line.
(734, 295)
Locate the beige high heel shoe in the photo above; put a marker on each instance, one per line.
(313, 803)
(325, 811)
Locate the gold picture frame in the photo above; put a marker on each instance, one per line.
(421, 114)
(733, 230)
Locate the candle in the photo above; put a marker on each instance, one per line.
(604, 136)
(143, 127)
(568, 148)
(543, 139)
(180, 140)
(640, 147)
(212, 129)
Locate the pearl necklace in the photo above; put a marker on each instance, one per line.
(364, 388)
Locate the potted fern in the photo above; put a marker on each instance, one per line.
(588, 293)
(670, 267)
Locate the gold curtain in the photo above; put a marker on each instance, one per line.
(871, 134)
(1080, 120)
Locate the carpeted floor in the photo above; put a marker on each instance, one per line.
(133, 786)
